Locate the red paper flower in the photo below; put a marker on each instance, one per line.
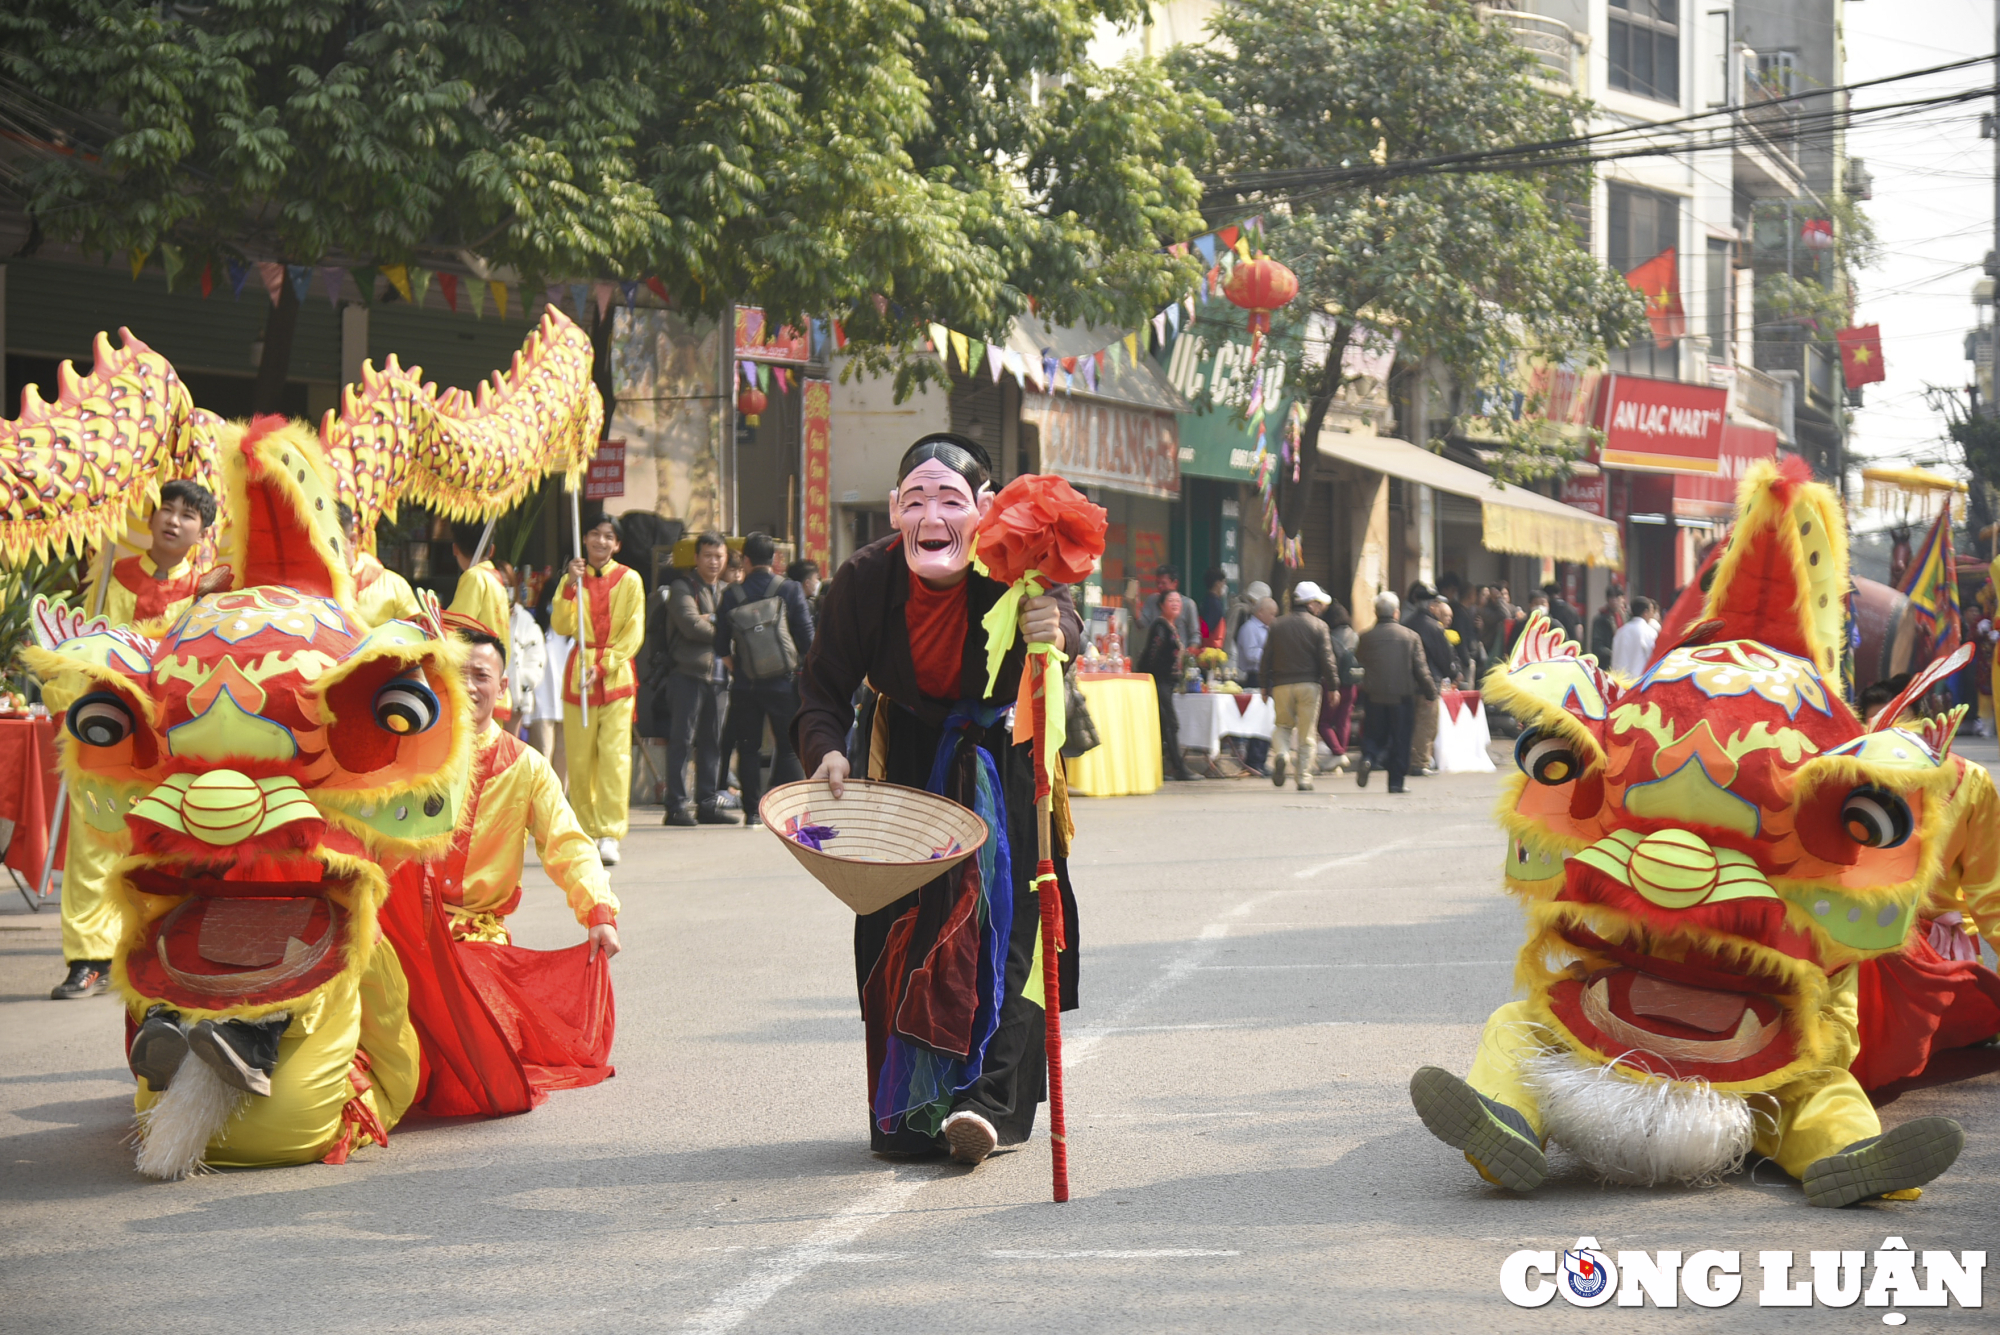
(1040, 522)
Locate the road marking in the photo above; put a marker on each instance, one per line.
(734, 1306)
(1150, 1254)
(1402, 964)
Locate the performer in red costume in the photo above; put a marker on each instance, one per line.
(950, 987)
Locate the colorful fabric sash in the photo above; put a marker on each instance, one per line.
(918, 1082)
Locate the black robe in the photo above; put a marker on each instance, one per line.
(862, 637)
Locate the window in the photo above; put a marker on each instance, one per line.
(1646, 48)
(1721, 278)
(1641, 224)
(1778, 71)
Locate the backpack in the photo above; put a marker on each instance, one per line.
(760, 638)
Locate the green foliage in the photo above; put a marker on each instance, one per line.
(1471, 269)
(18, 590)
(804, 155)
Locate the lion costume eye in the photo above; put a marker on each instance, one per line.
(406, 706)
(1546, 758)
(1875, 818)
(100, 719)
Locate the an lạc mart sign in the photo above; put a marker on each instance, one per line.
(1661, 426)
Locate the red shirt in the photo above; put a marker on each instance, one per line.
(935, 619)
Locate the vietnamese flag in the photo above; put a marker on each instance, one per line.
(1861, 355)
(1658, 281)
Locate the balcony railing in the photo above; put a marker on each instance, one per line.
(1773, 122)
(1760, 396)
(1553, 43)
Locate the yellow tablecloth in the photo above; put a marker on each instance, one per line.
(1127, 714)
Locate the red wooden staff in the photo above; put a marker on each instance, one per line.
(1040, 532)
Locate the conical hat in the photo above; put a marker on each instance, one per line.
(887, 839)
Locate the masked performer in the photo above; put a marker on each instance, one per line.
(600, 670)
(381, 593)
(156, 585)
(1710, 859)
(954, 1036)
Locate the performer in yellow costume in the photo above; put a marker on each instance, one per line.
(600, 751)
(153, 586)
(481, 597)
(381, 593)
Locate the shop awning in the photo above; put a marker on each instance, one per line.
(1513, 519)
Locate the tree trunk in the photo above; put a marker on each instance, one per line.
(1293, 496)
(276, 362)
(601, 329)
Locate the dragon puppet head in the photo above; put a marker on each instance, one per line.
(261, 757)
(1704, 851)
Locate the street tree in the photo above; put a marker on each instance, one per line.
(809, 156)
(1471, 269)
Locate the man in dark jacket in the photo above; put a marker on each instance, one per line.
(1398, 681)
(693, 686)
(1297, 665)
(1563, 612)
(753, 699)
(1426, 621)
(1604, 626)
(1160, 656)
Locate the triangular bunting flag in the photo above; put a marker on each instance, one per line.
(960, 345)
(1100, 358)
(239, 274)
(448, 289)
(604, 293)
(1131, 349)
(301, 276)
(839, 336)
(784, 381)
(420, 285)
(1160, 329)
(207, 280)
(1206, 245)
(1178, 249)
(399, 278)
(1227, 236)
(364, 276)
(499, 299)
(994, 362)
(273, 275)
(477, 291)
(975, 353)
(940, 339)
(763, 376)
(1017, 364)
(1189, 303)
(170, 258)
(1090, 374)
(555, 294)
(579, 295)
(1243, 248)
(1174, 317)
(138, 261)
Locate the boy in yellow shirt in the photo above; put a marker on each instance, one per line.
(155, 586)
(600, 663)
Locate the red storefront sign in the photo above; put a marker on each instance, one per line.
(754, 342)
(605, 478)
(1661, 426)
(818, 432)
(1714, 496)
(1589, 494)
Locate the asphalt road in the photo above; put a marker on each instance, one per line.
(1262, 972)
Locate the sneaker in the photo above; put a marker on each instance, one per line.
(1894, 1161)
(1305, 783)
(1277, 771)
(714, 815)
(970, 1136)
(87, 978)
(1494, 1138)
(753, 821)
(607, 852)
(242, 1052)
(1361, 773)
(159, 1048)
(728, 801)
(682, 816)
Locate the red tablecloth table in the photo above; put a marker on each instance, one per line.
(28, 791)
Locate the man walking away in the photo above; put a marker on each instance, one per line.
(1250, 641)
(1297, 665)
(1632, 646)
(762, 629)
(1161, 657)
(1398, 678)
(695, 685)
(1604, 626)
(1563, 613)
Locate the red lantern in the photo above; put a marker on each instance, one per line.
(751, 402)
(1260, 287)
